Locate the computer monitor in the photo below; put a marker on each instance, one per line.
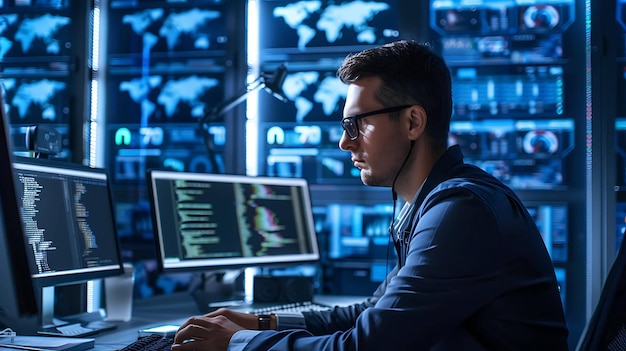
(18, 304)
(68, 219)
(209, 222)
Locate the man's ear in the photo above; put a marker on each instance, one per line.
(417, 122)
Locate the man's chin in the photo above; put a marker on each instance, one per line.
(368, 180)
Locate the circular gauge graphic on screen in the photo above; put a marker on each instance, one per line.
(540, 142)
(541, 17)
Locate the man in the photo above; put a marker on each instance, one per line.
(473, 272)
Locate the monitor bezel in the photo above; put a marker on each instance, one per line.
(217, 264)
(82, 275)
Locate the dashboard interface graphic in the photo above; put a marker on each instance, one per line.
(507, 62)
(508, 65)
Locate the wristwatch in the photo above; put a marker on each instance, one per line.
(265, 321)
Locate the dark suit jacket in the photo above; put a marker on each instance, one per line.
(473, 274)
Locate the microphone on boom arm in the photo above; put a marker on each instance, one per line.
(273, 84)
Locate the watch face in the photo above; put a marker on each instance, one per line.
(264, 321)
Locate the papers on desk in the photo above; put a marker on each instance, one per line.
(44, 343)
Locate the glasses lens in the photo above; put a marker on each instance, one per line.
(349, 125)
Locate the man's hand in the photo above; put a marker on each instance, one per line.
(205, 333)
(213, 330)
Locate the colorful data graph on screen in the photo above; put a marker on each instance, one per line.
(270, 225)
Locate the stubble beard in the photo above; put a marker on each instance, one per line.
(370, 179)
(383, 177)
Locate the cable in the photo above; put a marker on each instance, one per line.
(394, 196)
(8, 333)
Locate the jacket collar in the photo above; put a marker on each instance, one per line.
(442, 170)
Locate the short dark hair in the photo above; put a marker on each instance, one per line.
(411, 73)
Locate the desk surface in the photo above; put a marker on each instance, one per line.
(174, 309)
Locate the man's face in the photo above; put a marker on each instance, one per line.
(382, 143)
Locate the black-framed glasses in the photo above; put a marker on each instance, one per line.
(351, 127)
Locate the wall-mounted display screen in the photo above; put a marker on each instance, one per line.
(168, 64)
(37, 100)
(359, 231)
(505, 31)
(525, 154)
(38, 45)
(325, 27)
(162, 97)
(313, 92)
(42, 35)
(166, 31)
(507, 91)
(308, 151)
(29, 4)
(135, 149)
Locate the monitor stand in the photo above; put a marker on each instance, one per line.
(77, 325)
(221, 289)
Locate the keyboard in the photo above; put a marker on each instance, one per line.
(152, 342)
(291, 307)
(157, 342)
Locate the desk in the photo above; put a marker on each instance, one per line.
(175, 309)
(171, 308)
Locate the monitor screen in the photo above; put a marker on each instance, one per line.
(17, 296)
(313, 92)
(134, 149)
(308, 151)
(210, 221)
(163, 97)
(186, 32)
(43, 34)
(37, 100)
(511, 92)
(68, 218)
(325, 27)
(300, 137)
(39, 48)
(358, 231)
(501, 32)
(525, 154)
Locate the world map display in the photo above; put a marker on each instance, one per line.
(38, 93)
(186, 90)
(329, 92)
(44, 29)
(156, 25)
(311, 18)
(171, 94)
